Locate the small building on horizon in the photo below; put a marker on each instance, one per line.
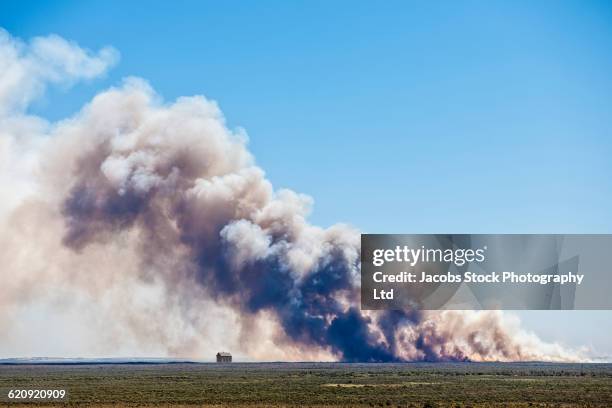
(224, 357)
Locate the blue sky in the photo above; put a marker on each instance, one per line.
(445, 116)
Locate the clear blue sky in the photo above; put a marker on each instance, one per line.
(396, 116)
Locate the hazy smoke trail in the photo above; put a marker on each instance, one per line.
(132, 191)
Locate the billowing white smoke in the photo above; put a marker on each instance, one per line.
(149, 228)
(27, 68)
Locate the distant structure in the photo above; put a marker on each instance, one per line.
(223, 357)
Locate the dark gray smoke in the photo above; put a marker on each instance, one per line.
(179, 178)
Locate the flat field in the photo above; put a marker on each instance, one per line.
(320, 384)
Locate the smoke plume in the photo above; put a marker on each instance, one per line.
(154, 223)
